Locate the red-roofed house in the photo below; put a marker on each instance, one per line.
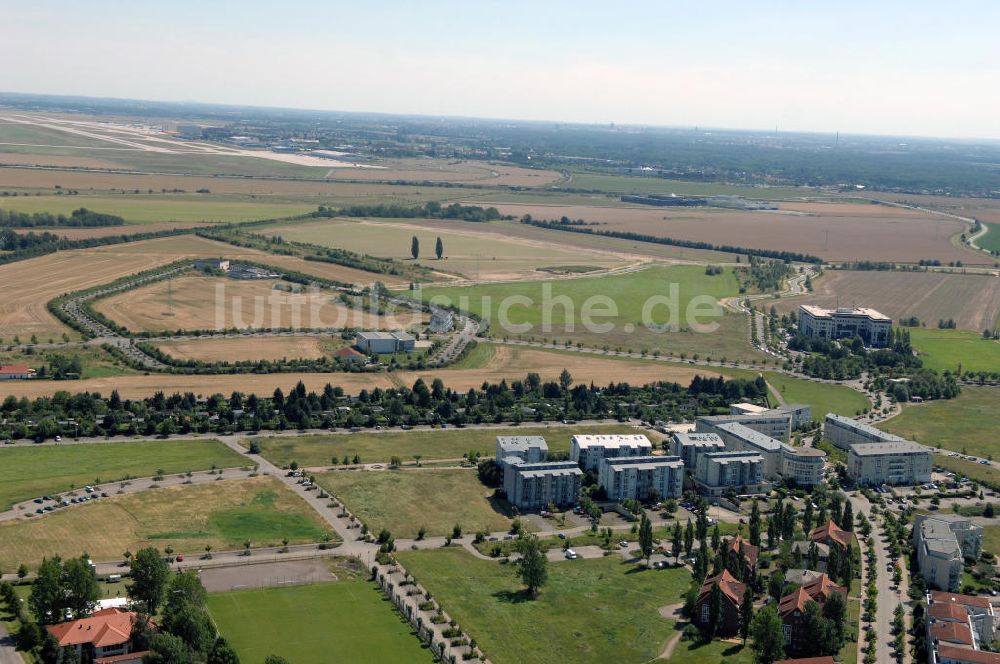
(975, 609)
(792, 609)
(351, 355)
(953, 655)
(106, 633)
(830, 534)
(745, 554)
(731, 592)
(951, 632)
(16, 372)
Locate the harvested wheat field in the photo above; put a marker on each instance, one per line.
(26, 286)
(507, 362)
(223, 513)
(832, 231)
(225, 349)
(972, 300)
(203, 303)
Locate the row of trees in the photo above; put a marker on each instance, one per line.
(79, 218)
(415, 248)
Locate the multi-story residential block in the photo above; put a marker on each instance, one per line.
(588, 450)
(776, 423)
(533, 486)
(892, 462)
(977, 609)
(640, 477)
(874, 328)
(802, 465)
(718, 472)
(843, 432)
(530, 449)
(943, 542)
(689, 446)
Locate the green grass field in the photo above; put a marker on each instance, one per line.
(95, 361)
(28, 472)
(320, 450)
(991, 539)
(520, 309)
(968, 422)
(403, 501)
(991, 240)
(823, 397)
(223, 514)
(477, 358)
(949, 350)
(650, 185)
(342, 621)
(597, 610)
(148, 208)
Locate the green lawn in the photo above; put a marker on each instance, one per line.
(991, 240)
(152, 207)
(968, 422)
(651, 185)
(403, 501)
(28, 472)
(477, 358)
(630, 306)
(822, 397)
(342, 621)
(991, 539)
(696, 652)
(320, 450)
(95, 361)
(598, 610)
(949, 350)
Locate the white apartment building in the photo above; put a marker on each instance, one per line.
(776, 423)
(588, 450)
(718, 471)
(530, 449)
(533, 486)
(843, 432)
(688, 446)
(892, 462)
(874, 328)
(638, 477)
(803, 465)
(943, 542)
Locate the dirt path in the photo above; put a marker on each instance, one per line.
(668, 650)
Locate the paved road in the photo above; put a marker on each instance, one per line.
(8, 655)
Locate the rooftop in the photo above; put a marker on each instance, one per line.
(383, 336)
(521, 443)
(14, 369)
(612, 440)
(889, 447)
(728, 584)
(976, 601)
(953, 632)
(108, 627)
(965, 655)
(820, 312)
(751, 436)
(546, 468)
(832, 532)
(644, 462)
(698, 438)
(851, 423)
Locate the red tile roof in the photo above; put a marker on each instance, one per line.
(977, 601)
(820, 588)
(794, 601)
(953, 632)
(749, 551)
(948, 611)
(831, 532)
(808, 660)
(15, 369)
(966, 655)
(728, 584)
(108, 627)
(122, 659)
(349, 352)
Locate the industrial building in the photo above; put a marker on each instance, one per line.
(742, 472)
(843, 432)
(689, 446)
(588, 450)
(534, 486)
(874, 328)
(641, 477)
(893, 462)
(384, 342)
(943, 543)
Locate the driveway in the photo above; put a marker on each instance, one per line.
(8, 655)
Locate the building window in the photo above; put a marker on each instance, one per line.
(704, 612)
(786, 631)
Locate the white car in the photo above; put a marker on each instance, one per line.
(571, 554)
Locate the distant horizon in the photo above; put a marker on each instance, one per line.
(498, 119)
(891, 68)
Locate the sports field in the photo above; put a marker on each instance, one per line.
(375, 447)
(484, 252)
(602, 597)
(951, 350)
(150, 208)
(624, 310)
(405, 500)
(343, 621)
(971, 300)
(968, 422)
(29, 472)
(822, 397)
(203, 303)
(223, 513)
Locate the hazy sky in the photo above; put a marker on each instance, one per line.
(913, 67)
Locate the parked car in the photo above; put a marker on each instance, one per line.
(571, 554)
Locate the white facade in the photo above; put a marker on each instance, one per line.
(588, 450)
(843, 432)
(943, 543)
(638, 477)
(384, 342)
(689, 446)
(776, 423)
(533, 486)
(530, 449)
(718, 471)
(874, 328)
(893, 462)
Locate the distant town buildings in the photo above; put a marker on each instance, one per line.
(588, 450)
(641, 477)
(943, 542)
(874, 328)
(384, 342)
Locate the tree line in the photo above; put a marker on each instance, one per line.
(79, 218)
(431, 210)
